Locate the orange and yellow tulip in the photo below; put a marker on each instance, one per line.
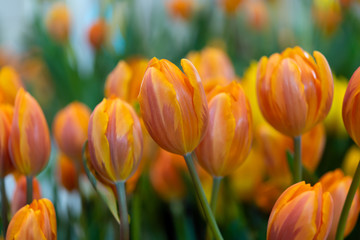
(34, 221)
(67, 173)
(58, 22)
(97, 34)
(350, 113)
(29, 142)
(338, 186)
(301, 212)
(70, 129)
(293, 78)
(173, 105)
(228, 138)
(180, 8)
(10, 83)
(125, 80)
(327, 14)
(257, 14)
(19, 197)
(6, 166)
(115, 140)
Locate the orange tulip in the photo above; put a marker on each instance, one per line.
(173, 105)
(327, 14)
(267, 193)
(257, 14)
(58, 22)
(227, 141)
(180, 8)
(6, 166)
(10, 83)
(350, 113)
(125, 80)
(70, 129)
(67, 173)
(19, 197)
(166, 176)
(338, 186)
(230, 6)
(29, 142)
(290, 79)
(115, 140)
(34, 221)
(97, 34)
(301, 212)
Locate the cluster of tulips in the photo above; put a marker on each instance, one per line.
(202, 114)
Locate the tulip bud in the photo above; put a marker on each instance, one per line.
(301, 212)
(19, 197)
(180, 8)
(228, 138)
(327, 14)
(67, 173)
(173, 105)
(58, 22)
(10, 83)
(70, 129)
(29, 142)
(34, 221)
(6, 166)
(97, 34)
(166, 176)
(338, 186)
(290, 79)
(350, 113)
(115, 140)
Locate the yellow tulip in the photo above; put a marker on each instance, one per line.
(10, 83)
(58, 22)
(351, 160)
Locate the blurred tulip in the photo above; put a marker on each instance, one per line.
(180, 8)
(173, 105)
(334, 122)
(10, 83)
(29, 143)
(19, 197)
(125, 80)
(257, 14)
(274, 146)
(327, 14)
(249, 85)
(301, 212)
(70, 129)
(58, 22)
(230, 6)
(228, 138)
(351, 160)
(97, 34)
(34, 221)
(267, 193)
(290, 79)
(338, 186)
(350, 113)
(115, 140)
(67, 173)
(6, 166)
(166, 176)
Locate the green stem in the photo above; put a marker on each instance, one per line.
(176, 211)
(4, 206)
(123, 212)
(347, 205)
(297, 159)
(202, 198)
(136, 216)
(29, 189)
(215, 193)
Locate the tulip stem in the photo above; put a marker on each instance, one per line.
(123, 212)
(215, 193)
(347, 205)
(297, 160)
(4, 206)
(29, 189)
(202, 198)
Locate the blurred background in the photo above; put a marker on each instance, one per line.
(64, 51)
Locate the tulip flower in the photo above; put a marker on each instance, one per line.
(34, 221)
(67, 173)
(180, 8)
(125, 80)
(97, 34)
(6, 166)
(230, 6)
(338, 186)
(70, 129)
(301, 212)
(10, 83)
(58, 22)
(257, 14)
(115, 145)
(227, 141)
(351, 160)
(327, 14)
(19, 197)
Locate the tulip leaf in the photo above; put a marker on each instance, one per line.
(105, 192)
